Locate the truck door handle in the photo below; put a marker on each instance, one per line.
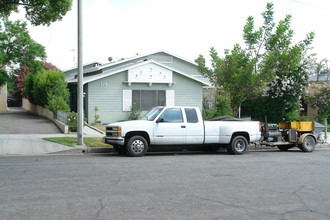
(183, 126)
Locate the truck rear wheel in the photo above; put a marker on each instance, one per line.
(238, 145)
(137, 146)
(308, 144)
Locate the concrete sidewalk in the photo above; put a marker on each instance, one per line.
(29, 144)
(33, 144)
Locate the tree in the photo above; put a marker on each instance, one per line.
(234, 73)
(3, 77)
(276, 55)
(320, 68)
(17, 47)
(38, 12)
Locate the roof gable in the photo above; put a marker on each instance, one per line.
(131, 67)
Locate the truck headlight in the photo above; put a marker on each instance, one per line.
(114, 131)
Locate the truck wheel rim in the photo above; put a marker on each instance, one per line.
(309, 143)
(240, 145)
(137, 146)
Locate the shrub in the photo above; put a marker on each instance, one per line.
(321, 100)
(58, 94)
(135, 113)
(96, 116)
(260, 107)
(72, 121)
(48, 89)
(216, 102)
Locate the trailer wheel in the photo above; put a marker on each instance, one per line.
(308, 144)
(137, 146)
(238, 145)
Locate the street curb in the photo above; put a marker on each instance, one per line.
(84, 150)
(322, 146)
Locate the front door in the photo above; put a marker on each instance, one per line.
(170, 128)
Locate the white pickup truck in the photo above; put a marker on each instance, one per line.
(176, 126)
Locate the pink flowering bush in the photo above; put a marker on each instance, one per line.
(25, 70)
(321, 100)
(20, 77)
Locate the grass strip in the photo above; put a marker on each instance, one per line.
(70, 141)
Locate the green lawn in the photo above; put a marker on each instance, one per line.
(70, 141)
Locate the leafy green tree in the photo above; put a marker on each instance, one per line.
(16, 45)
(277, 56)
(17, 48)
(234, 73)
(38, 12)
(3, 77)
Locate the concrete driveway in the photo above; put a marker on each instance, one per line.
(21, 133)
(20, 121)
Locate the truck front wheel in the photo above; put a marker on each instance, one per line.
(137, 146)
(238, 145)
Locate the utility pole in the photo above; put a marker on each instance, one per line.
(80, 112)
(74, 58)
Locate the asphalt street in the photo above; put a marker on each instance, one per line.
(192, 185)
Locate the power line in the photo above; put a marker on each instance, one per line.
(312, 5)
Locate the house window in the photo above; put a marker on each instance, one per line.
(147, 99)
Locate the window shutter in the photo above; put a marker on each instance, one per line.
(170, 98)
(127, 100)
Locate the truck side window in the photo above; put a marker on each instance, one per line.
(172, 115)
(191, 115)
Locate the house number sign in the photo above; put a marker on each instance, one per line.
(103, 84)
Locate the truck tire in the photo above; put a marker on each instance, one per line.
(308, 144)
(238, 145)
(137, 146)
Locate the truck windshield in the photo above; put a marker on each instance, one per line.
(152, 114)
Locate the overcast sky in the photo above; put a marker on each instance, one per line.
(123, 28)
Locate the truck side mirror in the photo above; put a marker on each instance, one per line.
(160, 120)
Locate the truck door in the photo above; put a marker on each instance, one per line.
(195, 127)
(170, 128)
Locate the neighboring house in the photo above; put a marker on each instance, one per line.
(155, 79)
(307, 110)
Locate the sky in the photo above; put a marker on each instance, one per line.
(187, 28)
